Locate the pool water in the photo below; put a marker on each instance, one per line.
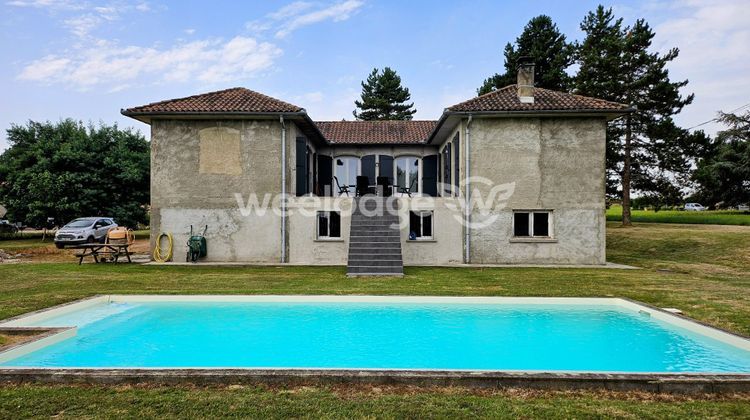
(539, 337)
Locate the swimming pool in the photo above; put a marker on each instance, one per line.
(371, 332)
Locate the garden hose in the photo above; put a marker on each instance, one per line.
(159, 256)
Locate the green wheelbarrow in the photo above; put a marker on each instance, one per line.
(196, 245)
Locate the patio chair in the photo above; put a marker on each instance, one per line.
(386, 183)
(407, 190)
(363, 186)
(342, 189)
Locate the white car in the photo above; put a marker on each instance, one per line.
(694, 207)
(84, 230)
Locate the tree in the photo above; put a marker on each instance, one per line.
(552, 55)
(723, 176)
(383, 98)
(67, 170)
(646, 151)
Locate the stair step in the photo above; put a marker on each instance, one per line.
(376, 263)
(375, 270)
(385, 252)
(362, 246)
(368, 233)
(374, 239)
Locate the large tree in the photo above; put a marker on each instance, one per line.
(383, 98)
(552, 55)
(67, 170)
(723, 176)
(646, 151)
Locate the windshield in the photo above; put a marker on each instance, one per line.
(79, 223)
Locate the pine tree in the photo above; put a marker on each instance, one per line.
(646, 151)
(723, 175)
(552, 54)
(383, 98)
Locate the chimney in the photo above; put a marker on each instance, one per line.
(526, 80)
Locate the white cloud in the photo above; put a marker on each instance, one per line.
(310, 97)
(301, 13)
(47, 4)
(713, 40)
(111, 65)
(83, 17)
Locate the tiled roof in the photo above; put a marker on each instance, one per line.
(506, 99)
(235, 100)
(376, 132)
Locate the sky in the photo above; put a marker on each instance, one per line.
(87, 59)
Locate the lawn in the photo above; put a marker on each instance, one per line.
(718, 217)
(702, 269)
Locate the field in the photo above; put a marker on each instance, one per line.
(718, 217)
(702, 269)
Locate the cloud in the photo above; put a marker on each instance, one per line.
(82, 17)
(110, 65)
(47, 4)
(713, 41)
(301, 13)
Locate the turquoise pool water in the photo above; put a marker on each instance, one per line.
(547, 337)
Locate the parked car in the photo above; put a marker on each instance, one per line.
(743, 207)
(694, 207)
(84, 230)
(7, 227)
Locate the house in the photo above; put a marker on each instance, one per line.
(516, 176)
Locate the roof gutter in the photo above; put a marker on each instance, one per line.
(559, 112)
(146, 117)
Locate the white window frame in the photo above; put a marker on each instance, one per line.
(342, 182)
(419, 172)
(420, 214)
(531, 212)
(317, 225)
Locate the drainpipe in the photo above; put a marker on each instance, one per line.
(467, 195)
(283, 189)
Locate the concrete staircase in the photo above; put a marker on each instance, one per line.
(374, 241)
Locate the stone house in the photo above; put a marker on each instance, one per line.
(516, 176)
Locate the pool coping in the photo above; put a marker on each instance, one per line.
(691, 383)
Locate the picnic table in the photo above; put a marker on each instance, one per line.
(102, 251)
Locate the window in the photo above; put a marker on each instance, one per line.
(407, 173)
(447, 170)
(457, 165)
(329, 225)
(420, 225)
(528, 224)
(347, 169)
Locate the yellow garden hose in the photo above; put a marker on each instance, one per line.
(158, 254)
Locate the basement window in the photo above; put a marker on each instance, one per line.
(532, 224)
(329, 225)
(420, 225)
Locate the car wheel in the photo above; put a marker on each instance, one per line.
(90, 240)
(60, 246)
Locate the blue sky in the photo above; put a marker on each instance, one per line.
(87, 59)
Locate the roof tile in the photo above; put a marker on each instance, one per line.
(376, 132)
(506, 100)
(234, 100)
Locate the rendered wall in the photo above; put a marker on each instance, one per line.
(197, 167)
(552, 163)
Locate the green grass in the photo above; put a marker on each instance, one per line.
(702, 269)
(257, 402)
(722, 217)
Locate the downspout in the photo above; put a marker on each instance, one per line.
(467, 194)
(283, 189)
